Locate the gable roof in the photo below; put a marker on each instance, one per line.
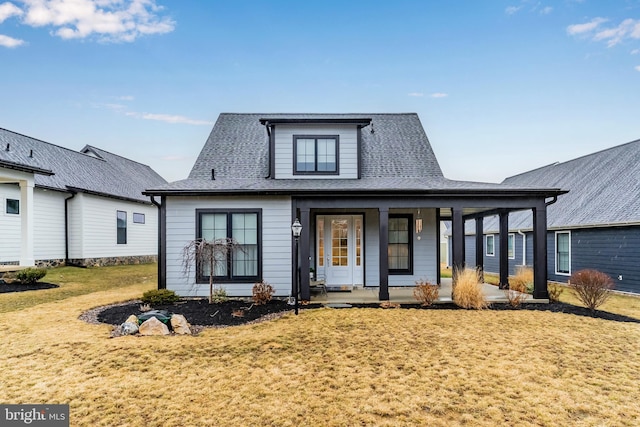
(396, 155)
(604, 190)
(92, 170)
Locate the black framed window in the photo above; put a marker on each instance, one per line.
(13, 207)
(121, 227)
(138, 218)
(315, 154)
(400, 244)
(243, 264)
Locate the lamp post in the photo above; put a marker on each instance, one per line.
(296, 230)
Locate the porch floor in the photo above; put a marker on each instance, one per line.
(404, 295)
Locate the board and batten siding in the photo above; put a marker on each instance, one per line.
(348, 149)
(93, 228)
(10, 225)
(276, 242)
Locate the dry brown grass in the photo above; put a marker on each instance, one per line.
(330, 367)
(467, 292)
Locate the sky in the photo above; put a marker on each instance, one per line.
(501, 87)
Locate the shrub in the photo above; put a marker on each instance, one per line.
(523, 280)
(218, 296)
(29, 276)
(159, 297)
(425, 292)
(591, 287)
(467, 290)
(516, 293)
(554, 291)
(262, 292)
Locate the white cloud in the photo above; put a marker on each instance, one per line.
(167, 118)
(586, 27)
(7, 10)
(106, 20)
(125, 98)
(637, 67)
(546, 10)
(7, 41)
(439, 95)
(416, 94)
(510, 10)
(635, 51)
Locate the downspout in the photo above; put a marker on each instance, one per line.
(524, 247)
(66, 227)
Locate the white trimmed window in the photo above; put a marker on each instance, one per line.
(563, 252)
(490, 245)
(512, 246)
(121, 227)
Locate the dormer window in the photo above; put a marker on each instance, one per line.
(315, 154)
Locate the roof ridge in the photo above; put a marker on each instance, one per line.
(600, 151)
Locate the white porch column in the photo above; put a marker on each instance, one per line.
(26, 221)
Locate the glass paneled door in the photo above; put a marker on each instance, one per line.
(340, 246)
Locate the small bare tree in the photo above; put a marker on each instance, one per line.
(211, 253)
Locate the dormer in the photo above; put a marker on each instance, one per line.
(315, 146)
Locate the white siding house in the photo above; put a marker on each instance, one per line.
(61, 206)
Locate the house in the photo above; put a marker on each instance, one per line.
(366, 188)
(596, 225)
(61, 206)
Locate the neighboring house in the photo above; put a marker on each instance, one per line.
(367, 189)
(596, 225)
(61, 206)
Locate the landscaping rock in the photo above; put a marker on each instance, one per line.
(129, 328)
(153, 326)
(132, 319)
(180, 325)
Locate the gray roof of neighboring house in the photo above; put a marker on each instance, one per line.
(396, 156)
(604, 190)
(90, 170)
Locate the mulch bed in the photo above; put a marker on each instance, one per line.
(19, 287)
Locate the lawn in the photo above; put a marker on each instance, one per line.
(324, 367)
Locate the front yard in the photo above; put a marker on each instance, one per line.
(324, 367)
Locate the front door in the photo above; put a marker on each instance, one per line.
(342, 241)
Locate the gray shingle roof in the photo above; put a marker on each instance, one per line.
(102, 172)
(396, 156)
(604, 189)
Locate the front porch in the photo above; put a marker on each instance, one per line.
(404, 295)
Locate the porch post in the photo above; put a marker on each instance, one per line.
(438, 247)
(26, 223)
(480, 246)
(383, 245)
(305, 290)
(540, 252)
(457, 242)
(504, 250)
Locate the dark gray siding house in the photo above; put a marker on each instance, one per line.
(596, 225)
(366, 188)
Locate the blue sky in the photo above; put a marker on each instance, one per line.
(501, 87)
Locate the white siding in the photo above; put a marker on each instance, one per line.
(9, 225)
(348, 149)
(94, 218)
(48, 224)
(276, 242)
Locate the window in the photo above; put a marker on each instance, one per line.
(244, 227)
(563, 253)
(138, 218)
(490, 245)
(400, 245)
(321, 242)
(315, 154)
(121, 227)
(13, 206)
(511, 242)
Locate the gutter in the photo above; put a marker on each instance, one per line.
(66, 227)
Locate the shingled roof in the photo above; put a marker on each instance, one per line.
(90, 170)
(604, 190)
(396, 156)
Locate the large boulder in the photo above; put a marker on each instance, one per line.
(132, 319)
(180, 325)
(153, 326)
(129, 328)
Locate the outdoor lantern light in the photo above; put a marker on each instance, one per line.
(296, 230)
